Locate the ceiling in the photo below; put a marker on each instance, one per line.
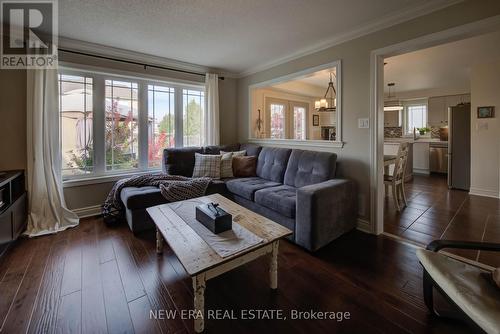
(320, 78)
(444, 68)
(311, 85)
(233, 35)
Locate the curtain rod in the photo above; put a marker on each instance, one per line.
(134, 62)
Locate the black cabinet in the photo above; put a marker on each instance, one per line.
(13, 207)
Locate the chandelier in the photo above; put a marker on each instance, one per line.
(328, 102)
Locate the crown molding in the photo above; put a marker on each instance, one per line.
(109, 51)
(374, 26)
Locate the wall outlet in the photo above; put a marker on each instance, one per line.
(363, 123)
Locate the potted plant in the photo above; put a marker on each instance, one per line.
(423, 131)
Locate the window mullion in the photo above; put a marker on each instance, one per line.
(179, 111)
(99, 124)
(143, 125)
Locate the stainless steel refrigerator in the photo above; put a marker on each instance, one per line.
(459, 120)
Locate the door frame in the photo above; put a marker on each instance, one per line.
(377, 101)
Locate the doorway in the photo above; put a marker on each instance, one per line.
(433, 209)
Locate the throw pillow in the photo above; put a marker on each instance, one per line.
(207, 166)
(245, 166)
(226, 165)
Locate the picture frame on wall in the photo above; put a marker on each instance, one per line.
(486, 112)
(315, 120)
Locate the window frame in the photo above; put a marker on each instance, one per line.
(413, 103)
(99, 76)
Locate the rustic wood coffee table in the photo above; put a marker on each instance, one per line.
(200, 261)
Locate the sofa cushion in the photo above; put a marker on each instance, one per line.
(251, 149)
(272, 163)
(246, 187)
(180, 161)
(141, 197)
(309, 167)
(281, 199)
(216, 187)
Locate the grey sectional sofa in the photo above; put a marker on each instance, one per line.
(294, 188)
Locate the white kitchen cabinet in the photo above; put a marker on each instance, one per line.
(392, 118)
(421, 158)
(437, 108)
(437, 114)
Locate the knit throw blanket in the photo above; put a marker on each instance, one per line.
(172, 187)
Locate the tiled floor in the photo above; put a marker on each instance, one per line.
(435, 212)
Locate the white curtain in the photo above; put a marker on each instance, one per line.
(212, 136)
(47, 212)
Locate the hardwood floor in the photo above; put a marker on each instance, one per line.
(100, 279)
(436, 212)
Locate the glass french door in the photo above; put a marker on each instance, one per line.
(286, 119)
(299, 117)
(277, 111)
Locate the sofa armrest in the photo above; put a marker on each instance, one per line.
(324, 212)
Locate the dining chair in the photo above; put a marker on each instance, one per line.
(397, 179)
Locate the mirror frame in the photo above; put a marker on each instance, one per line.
(289, 77)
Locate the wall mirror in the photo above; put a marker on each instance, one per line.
(304, 106)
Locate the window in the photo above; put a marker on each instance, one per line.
(113, 124)
(122, 131)
(277, 121)
(193, 106)
(286, 119)
(161, 122)
(75, 105)
(299, 122)
(416, 117)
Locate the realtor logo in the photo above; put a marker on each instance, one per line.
(29, 34)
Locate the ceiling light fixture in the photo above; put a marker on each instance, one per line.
(392, 103)
(328, 103)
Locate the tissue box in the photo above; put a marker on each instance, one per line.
(214, 218)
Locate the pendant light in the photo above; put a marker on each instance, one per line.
(328, 102)
(392, 103)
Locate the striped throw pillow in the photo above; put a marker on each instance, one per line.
(226, 165)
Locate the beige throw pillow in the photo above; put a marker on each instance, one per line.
(226, 165)
(206, 165)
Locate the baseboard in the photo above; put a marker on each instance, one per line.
(88, 211)
(364, 225)
(421, 171)
(484, 192)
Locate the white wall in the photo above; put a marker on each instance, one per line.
(354, 157)
(485, 133)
